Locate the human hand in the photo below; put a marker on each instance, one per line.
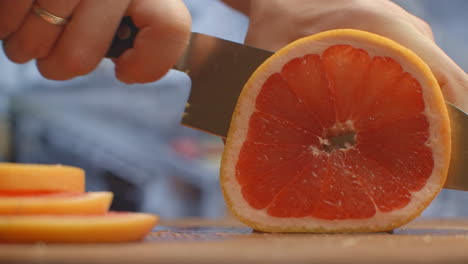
(65, 51)
(275, 23)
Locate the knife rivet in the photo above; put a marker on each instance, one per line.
(124, 32)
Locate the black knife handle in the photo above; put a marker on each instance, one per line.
(123, 39)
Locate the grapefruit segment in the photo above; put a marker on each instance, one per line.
(290, 201)
(267, 185)
(270, 129)
(387, 77)
(277, 91)
(342, 195)
(387, 149)
(266, 154)
(346, 85)
(306, 78)
(361, 141)
(110, 228)
(385, 190)
(39, 177)
(60, 203)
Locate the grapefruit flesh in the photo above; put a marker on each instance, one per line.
(112, 227)
(343, 131)
(39, 177)
(54, 203)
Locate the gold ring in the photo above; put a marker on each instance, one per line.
(53, 19)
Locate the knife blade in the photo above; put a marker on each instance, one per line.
(457, 177)
(219, 69)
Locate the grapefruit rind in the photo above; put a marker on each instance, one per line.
(16, 176)
(57, 204)
(110, 228)
(375, 45)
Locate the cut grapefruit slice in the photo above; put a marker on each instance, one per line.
(38, 177)
(343, 131)
(59, 203)
(110, 228)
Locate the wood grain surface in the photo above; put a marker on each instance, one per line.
(227, 241)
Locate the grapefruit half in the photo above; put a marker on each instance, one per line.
(39, 177)
(109, 228)
(58, 203)
(342, 131)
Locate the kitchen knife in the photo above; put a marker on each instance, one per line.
(219, 69)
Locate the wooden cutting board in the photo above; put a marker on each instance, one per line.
(227, 241)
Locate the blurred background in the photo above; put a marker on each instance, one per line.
(129, 138)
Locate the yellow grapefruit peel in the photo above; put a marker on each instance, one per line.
(110, 228)
(17, 176)
(57, 204)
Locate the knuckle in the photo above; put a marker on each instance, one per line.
(175, 31)
(65, 66)
(75, 63)
(20, 50)
(5, 30)
(137, 71)
(176, 26)
(153, 76)
(8, 24)
(27, 48)
(48, 74)
(182, 25)
(137, 75)
(425, 26)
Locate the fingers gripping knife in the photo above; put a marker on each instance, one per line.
(219, 69)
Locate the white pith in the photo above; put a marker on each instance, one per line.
(246, 107)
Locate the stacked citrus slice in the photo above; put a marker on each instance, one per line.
(343, 131)
(47, 203)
